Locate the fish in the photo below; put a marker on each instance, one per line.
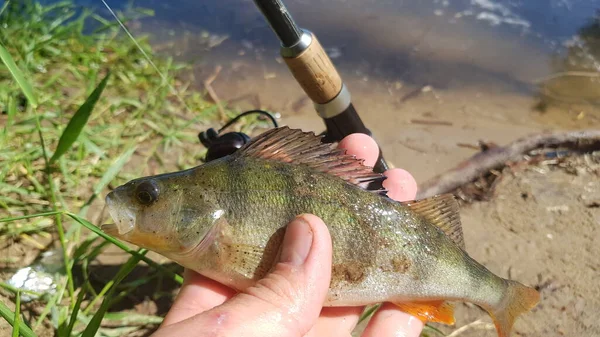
(225, 219)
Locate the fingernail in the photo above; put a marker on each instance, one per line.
(296, 242)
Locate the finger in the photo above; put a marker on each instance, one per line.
(390, 321)
(362, 146)
(400, 184)
(336, 321)
(197, 294)
(286, 302)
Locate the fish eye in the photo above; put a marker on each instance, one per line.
(147, 192)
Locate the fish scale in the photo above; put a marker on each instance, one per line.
(226, 220)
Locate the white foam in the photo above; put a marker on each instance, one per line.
(497, 14)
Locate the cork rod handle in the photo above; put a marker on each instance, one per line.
(315, 73)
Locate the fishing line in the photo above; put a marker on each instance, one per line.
(162, 76)
(249, 112)
(219, 145)
(4, 7)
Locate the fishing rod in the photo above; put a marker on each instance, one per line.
(316, 74)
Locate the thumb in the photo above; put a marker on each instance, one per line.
(288, 300)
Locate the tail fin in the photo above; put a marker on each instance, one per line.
(518, 300)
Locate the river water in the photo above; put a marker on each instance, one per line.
(430, 78)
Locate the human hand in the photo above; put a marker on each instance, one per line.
(288, 301)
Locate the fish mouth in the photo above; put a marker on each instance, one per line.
(110, 229)
(122, 215)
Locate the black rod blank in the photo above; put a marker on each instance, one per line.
(280, 20)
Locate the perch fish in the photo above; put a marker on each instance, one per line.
(225, 219)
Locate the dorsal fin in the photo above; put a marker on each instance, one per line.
(443, 211)
(305, 148)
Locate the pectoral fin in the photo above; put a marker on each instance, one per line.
(432, 311)
(251, 261)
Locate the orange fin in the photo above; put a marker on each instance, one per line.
(433, 311)
(305, 148)
(519, 299)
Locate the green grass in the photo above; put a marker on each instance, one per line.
(70, 132)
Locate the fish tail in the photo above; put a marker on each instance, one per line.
(518, 299)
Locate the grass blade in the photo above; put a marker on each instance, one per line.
(18, 76)
(108, 176)
(9, 316)
(132, 317)
(368, 312)
(114, 169)
(11, 112)
(17, 323)
(177, 278)
(427, 329)
(14, 290)
(75, 312)
(94, 324)
(58, 218)
(23, 217)
(51, 305)
(78, 121)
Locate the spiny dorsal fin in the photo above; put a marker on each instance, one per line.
(305, 148)
(443, 211)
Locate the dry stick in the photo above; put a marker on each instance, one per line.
(430, 122)
(590, 74)
(482, 162)
(476, 324)
(212, 93)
